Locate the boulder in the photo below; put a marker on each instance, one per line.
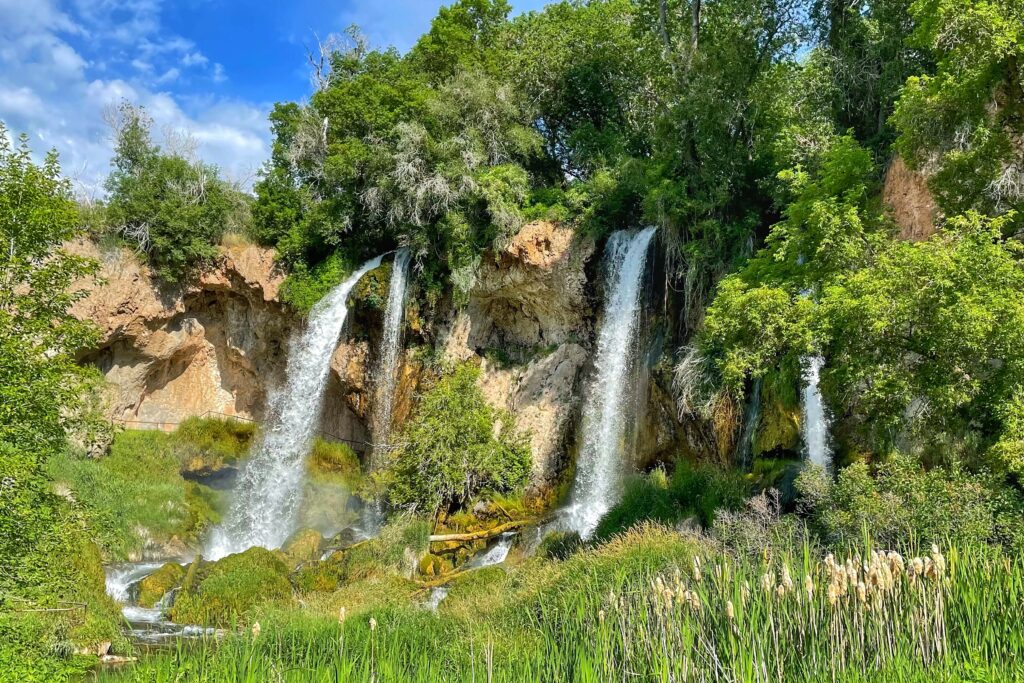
(303, 546)
(153, 587)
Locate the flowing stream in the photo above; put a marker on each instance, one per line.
(266, 499)
(815, 425)
(599, 469)
(391, 341)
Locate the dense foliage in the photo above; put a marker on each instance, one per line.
(450, 451)
(46, 555)
(169, 205)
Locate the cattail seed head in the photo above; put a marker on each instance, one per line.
(600, 616)
(730, 613)
(341, 615)
(373, 624)
(833, 594)
(862, 592)
(809, 587)
(256, 629)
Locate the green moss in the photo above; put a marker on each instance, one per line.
(335, 461)
(229, 589)
(135, 496)
(779, 429)
(207, 444)
(303, 546)
(155, 586)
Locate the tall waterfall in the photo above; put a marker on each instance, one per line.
(266, 499)
(815, 426)
(599, 470)
(391, 341)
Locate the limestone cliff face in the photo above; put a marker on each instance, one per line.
(170, 353)
(220, 344)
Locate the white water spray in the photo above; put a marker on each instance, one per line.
(266, 499)
(815, 426)
(391, 343)
(599, 469)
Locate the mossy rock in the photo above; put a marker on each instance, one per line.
(335, 461)
(303, 546)
(779, 428)
(222, 592)
(434, 565)
(322, 576)
(155, 586)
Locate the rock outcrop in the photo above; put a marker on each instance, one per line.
(213, 345)
(532, 292)
(907, 196)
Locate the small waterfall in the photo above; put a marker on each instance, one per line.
(497, 554)
(815, 425)
(120, 578)
(599, 469)
(745, 446)
(266, 499)
(391, 343)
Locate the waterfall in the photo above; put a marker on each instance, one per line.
(266, 499)
(497, 554)
(815, 427)
(391, 340)
(745, 446)
(599, 468)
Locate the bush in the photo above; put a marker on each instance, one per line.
(904, 504)
(694, 491)
(227, 590)
(448, 452)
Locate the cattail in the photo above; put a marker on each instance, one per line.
(256, 629)
(600, 616)
(696, 569)
(767, 581)
(862, 592)
(895, 562)
(745, 592)
(730, 613)
(833, 594)
(341, 615)
(373, 624)
(939, 561)
(780, 591)
(809, 587)
(787, 579)
(694, 600)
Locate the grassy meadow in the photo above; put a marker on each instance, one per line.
(649, 605)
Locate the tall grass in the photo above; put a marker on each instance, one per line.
(650, 610)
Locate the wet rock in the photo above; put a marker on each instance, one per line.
(152, 588)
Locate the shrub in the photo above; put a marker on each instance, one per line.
(694, 491)
(448, 452)
(906, 504)
(559, 545)
(335, 460)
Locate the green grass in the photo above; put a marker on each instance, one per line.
(640, 608)
(136, 496)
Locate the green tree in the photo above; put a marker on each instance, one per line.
(963, 125)
(172, 208)
(45, 555)
(449, 451)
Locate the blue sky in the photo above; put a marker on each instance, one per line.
(211, 67)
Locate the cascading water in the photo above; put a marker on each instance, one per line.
(815, 426)
(266, 499)
(497, 554)
(745, 446)
(391, 340)
(599, 469)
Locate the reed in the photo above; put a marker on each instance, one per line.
(867, 616)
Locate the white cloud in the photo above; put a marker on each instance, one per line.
(63, 63)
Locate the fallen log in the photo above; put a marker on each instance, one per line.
(479, 535)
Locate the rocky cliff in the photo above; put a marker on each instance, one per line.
(218, 344)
